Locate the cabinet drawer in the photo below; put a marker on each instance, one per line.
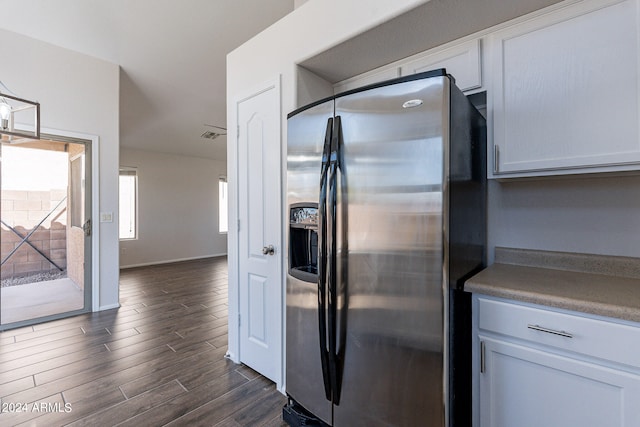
(616, 342)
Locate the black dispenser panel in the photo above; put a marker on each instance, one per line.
(303, 241)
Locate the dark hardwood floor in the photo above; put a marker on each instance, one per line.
(157, 360)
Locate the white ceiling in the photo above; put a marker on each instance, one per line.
(172, 56)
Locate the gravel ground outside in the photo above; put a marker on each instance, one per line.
(33, 278)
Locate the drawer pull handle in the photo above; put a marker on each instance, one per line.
(550, 331)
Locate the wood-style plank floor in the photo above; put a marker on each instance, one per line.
(157, 360)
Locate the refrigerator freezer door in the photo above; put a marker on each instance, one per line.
(394, 155)
(304, 380)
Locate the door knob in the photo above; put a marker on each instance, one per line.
(86, 227)
(268, 250)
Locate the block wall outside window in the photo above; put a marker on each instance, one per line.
(22, 211)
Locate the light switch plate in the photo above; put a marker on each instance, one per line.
(106, 216)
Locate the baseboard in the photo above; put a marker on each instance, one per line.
(108, 307)
(231, 356)
(170, 261)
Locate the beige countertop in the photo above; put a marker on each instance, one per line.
(599, 291)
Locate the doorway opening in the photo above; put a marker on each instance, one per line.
(45, 230)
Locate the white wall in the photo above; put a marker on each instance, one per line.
(177, 208)
(596, 214)
(78, 95)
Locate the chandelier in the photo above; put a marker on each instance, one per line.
(19, 118)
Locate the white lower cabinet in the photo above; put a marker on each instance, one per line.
(522, 386)
(532, 370)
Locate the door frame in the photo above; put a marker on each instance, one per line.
(233, 257)
(93, 141)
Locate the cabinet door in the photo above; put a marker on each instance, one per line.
(525, 387)
(565, 89)
(462, 61)
(369, 78)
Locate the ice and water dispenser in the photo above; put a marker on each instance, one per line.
(303, 241)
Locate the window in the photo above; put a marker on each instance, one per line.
(128, 204)
(223, 203)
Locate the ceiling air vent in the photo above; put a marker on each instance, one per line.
(210, 135)
(219, 131)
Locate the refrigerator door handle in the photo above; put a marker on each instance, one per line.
(335, 367)
(342, 259)
(322, 261)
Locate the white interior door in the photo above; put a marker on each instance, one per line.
(259, 235)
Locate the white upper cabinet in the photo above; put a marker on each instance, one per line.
(462, 61)
(371, 77)
(564, 92)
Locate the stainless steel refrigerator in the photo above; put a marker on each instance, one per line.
(386, 219)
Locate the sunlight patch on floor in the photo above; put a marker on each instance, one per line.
(23, 302)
